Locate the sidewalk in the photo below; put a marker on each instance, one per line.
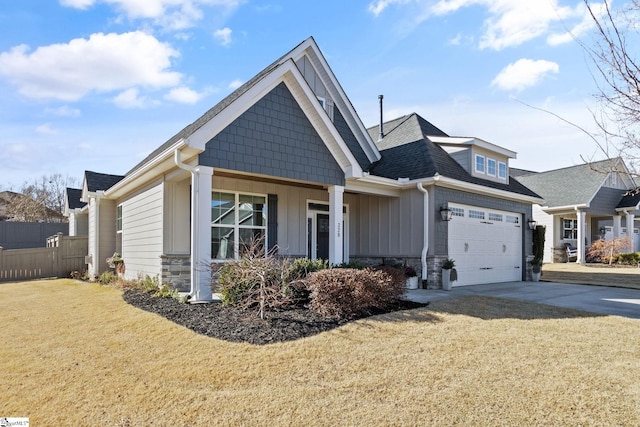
(597, 299)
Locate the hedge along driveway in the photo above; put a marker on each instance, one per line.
(76, 354)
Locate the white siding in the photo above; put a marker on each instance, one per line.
(107, 239)
(142, 242)
(543, 218)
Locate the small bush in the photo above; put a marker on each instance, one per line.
(346, 293)
(357, 264)
(107, 278)
(302, 267)
(627, 258)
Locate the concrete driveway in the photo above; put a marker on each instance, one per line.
(596, 299)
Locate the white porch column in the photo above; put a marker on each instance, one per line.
(201, 177)
(630, 218)
(581, 236)
(617, 227)
(336, 233)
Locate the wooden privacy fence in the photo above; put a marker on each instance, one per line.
(62, 255)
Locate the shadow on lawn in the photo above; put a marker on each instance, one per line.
(491, 308)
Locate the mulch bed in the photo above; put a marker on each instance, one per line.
(233, 324)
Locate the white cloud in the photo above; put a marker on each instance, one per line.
(47, 129)
(235, 84)
(524, 73)
(102, 63)
(509, 22)
(64, 111)
(184, 95)
(172, 14)
(377, 7)
(223, 36)
(130, 98)
(579, 29)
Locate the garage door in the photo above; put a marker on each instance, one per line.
(486, 245)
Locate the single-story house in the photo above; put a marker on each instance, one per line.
(286, 157)
(583, 203)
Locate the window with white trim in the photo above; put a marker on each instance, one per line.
(457, 211)
(476, 214)
(495, 217)
(491, 167)
(236, 220)
(569, 229)
(479, 164)
(513, 219)
(502, 170)
(119, 219)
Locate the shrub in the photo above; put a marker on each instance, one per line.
(345, 293)
(358, 265)
(107, 278)
(606, 250)
(256, 280)
(628, 258)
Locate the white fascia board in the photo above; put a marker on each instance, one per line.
(317, 60)
(378, 189)
(148, 171)
(288, 73)
(477, 142)
(555, 209)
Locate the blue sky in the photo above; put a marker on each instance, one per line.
(98, 84)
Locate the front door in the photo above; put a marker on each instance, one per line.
(322, 236)
(318, 231)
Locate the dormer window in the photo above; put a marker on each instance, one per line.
(491, 167)
(480, 168)
(502, 170)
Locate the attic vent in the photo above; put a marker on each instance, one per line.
(381, 136)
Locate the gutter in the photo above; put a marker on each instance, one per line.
(425, 237)
(194, 293)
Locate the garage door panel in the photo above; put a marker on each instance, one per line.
(486, 245)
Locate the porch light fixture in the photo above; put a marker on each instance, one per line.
(532, 224)
(445, 213)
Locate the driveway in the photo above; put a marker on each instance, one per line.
(597, 299)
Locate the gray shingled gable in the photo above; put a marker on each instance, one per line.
(73, 198)
(274, 137)
(100, 181)
(574, 185)
(407, 152)
(219, 107)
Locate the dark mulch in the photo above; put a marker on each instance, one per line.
(234, 324)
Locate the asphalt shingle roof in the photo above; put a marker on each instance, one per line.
(569, 186)
(100, 181)
(630, 199)
(73, 198)
(407, 152)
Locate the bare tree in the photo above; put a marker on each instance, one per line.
(41, 200)
(617, 73)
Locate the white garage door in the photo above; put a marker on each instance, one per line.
(486, 245)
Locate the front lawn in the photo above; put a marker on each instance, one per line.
(76, 354)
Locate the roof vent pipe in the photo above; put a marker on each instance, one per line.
(381, 119)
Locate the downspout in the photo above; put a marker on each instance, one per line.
(194, 293)
(425, 245)
(96, 248)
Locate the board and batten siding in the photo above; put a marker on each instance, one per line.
(142, 236)
(389, 226)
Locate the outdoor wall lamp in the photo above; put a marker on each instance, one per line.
(445, 213)
(532, 224)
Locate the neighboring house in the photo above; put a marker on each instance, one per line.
(285, 157)
(75, 210)
(21, 208)
(583, 203)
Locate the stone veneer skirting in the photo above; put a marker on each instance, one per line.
(176, 271)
